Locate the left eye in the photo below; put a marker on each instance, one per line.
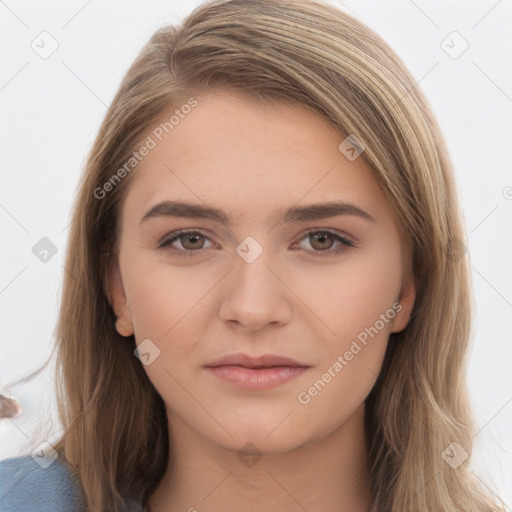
(319, 238)
(193, 241)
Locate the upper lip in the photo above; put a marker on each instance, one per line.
(263, 361)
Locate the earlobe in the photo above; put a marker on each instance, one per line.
(124, 327)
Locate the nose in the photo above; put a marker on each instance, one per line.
(255, 294)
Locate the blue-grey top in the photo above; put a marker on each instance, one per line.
(27, 485)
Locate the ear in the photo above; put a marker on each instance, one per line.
(406, 302)
(115, 290)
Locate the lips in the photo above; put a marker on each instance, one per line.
(259, 373)
(263, 361)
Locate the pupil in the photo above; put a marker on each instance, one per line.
(321, 238)
(193, 238)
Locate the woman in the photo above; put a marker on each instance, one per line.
(265, 306)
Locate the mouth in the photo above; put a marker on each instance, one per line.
(256, 373)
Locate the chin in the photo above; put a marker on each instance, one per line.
(258, 439)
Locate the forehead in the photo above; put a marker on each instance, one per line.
(230, 150)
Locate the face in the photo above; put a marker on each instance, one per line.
(324, 288)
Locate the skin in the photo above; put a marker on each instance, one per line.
(251, 160)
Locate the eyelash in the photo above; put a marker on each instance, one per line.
(168, 240)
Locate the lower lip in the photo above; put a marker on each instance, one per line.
(254, 379)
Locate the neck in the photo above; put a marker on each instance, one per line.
(330, 474)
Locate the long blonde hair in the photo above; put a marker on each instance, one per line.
(115, 427)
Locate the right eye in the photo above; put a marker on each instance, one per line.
(189, 238)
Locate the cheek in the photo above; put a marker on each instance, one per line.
(356, 303)
(162, 296)
(166, 306)
(351, 296)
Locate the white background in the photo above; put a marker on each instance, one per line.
(50, 111)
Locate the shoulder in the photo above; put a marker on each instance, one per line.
(28, 486)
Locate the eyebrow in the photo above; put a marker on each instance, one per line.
(290, 215)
